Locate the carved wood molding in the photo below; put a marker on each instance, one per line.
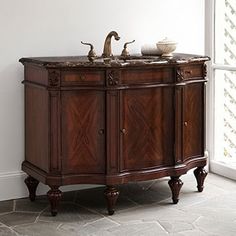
(113, 77)
(179, 74)
(54, 78)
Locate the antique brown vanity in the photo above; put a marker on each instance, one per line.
(112, 122)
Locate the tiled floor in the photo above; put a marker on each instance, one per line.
(142, 209)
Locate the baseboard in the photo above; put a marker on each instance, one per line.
(223, 169)
(12, 186)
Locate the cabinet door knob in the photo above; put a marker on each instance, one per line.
(101, 131)
(82, 77)
(186, 123)
(123, 131)
(188, 72)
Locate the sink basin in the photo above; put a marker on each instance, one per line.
(130, 59)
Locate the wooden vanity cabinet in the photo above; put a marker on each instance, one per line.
(87, 123)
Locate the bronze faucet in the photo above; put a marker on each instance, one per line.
(107, 44)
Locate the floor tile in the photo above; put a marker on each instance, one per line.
(146, 193)
(138, 229)
(219, 227)
(26, 205)
(176, 226)
(69, 212)
(152, 213)
(18, 218)
(6, 206)
(98, 227)
(4, 231)
(39, 229)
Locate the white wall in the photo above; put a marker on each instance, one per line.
(56, 27)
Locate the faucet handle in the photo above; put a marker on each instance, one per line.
(125, 52)
(91, 53)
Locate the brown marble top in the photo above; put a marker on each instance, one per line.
(116, 61)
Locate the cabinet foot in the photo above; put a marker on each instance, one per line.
(111, 195)
(175, 184)
(54, 197)
(200, 175)
(32, 185)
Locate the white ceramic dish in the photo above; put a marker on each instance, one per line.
(166, 47)
(150, 50)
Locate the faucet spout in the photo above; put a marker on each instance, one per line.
(107, 44)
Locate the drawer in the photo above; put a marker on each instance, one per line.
(189, 72)
(82, 77)
(135, 76)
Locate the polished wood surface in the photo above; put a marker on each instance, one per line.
(144, 142)
(135, 76)
(193, 121)
(83, 131)
(37, 127)
(82, 77)
(111, 124)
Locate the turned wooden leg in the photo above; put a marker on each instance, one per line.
(200, 175)
(111, 195)
(32, 185)
(175, 184)
(54, 196)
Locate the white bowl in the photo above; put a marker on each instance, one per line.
(150, 50)
(166, 47)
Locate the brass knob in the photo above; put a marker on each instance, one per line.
(123, 131)
(185, 123)
(101, 131)
(82, 77)
(188, 72)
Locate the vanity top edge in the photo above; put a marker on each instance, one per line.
(133, 61)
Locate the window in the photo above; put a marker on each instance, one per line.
(223, 84)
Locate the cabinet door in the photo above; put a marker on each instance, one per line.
(147, 128)
(83, 131)
(193, 120)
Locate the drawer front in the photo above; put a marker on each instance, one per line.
(135, 76)
(189, 72)
(82, 77)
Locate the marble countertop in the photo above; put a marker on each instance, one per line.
(116, 61)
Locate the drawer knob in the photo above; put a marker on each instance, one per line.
(101, 131)
(185, 123)
(123, 131)
(82, 77)
(188, 72)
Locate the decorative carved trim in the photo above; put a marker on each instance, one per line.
(54, 78)
(113, 77)
(179, 74)
(204, 70)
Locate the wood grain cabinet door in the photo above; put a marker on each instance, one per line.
(83, 134)
(146, 128)
(193, 120)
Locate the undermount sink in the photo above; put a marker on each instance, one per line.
(129, 59)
